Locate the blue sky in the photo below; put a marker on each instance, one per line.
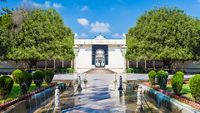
(110, 17)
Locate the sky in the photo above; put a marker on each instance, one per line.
(111, 18)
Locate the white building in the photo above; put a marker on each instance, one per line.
(100, 53)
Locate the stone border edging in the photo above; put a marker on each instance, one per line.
(24, 97)
(167, 102)
(179, 98)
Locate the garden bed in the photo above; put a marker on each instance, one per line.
(186, 98)
(15, 92)
(14, 99)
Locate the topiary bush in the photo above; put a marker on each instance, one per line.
(48, 76)
(24, 79)
(152, 76)
(194, 84)
(162, 77)
(38, 77)
(6, 84)
(17, 76)
(27, 80)
(129, 70)
(177, 82)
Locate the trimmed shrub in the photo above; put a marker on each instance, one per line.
(24, 79)
(6, 84)
(129, 70)
(194, 84)
(70, 70)
(27, 80)
(162, 77)
(152, 76)
(48, 76)
(17, 76)
(177, 82)
(38, 77)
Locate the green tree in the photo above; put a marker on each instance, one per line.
(5, 25)
(166, 34)
(41, 35)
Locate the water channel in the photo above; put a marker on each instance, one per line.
(100, 95)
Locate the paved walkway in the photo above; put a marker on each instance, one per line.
(99, 95)
(127, 77)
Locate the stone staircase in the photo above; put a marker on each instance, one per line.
(100, 71)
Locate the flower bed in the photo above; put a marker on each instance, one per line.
(179, 98)
(24, 97)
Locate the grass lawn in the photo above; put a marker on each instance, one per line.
(15, 92)
(184, 92)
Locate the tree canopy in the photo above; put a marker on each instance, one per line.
(164, 34)
(35, 35)
(5, 24)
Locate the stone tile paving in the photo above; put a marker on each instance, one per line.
(127, 77)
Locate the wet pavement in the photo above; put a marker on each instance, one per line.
(100, 95)
(129, 76)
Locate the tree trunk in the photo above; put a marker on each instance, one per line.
(154, 65)
(72, 63)
(136, 64)
(45, 65)
(63, 64)
(145, 66)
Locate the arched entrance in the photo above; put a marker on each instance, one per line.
(100, 58)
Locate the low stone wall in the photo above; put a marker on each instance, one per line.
(31, 104)
(165, 102)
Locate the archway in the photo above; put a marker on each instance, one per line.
(100, 58)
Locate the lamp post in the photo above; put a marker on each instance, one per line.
(76, 50)
(123, 49)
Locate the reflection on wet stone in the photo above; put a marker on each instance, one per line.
(100, 95)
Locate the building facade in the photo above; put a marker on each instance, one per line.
(100, 53)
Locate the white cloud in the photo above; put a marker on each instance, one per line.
(57, 5)
(83, 21)
(46, 4)
(84, 8)
(100, 27)
(116, 35)
(37, 5)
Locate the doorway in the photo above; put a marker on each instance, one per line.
(100, 58)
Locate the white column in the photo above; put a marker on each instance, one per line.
(75, 69)
(124, 63)
(127, 63)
